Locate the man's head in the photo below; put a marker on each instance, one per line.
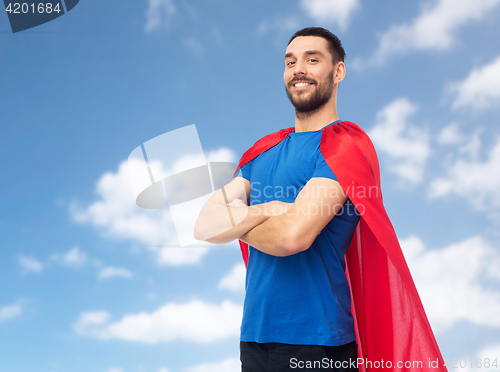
(314, 64)
(334, 44)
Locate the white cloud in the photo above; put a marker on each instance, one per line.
(475, 180)
(114, 272)
(433, 29)
(116, 214)
(472, 148)
(10, 311)
(30, 265)
(407, 146)
(89, 321)
(492, 352)
(115, 369)
(159, 12)
(449, 281)
(228, 365)
(235, 279)
(450, 135)
(221, 154)
(75, 258)
(337, 12)
(195, 321)
(480, 90)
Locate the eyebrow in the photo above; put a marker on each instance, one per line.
(308, 52)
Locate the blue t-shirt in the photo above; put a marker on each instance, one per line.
(303, 298)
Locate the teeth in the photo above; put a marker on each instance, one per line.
(301, 84)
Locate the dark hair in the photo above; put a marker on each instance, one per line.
(334, 43)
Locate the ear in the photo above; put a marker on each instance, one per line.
(339, 74)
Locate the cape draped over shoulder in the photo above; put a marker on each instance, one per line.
(392, 330)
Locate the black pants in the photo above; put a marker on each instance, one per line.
(276, 357)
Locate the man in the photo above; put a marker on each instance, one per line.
(300, 223)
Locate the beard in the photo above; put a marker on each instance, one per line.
(313, 100)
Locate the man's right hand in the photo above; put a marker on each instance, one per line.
(226, 216)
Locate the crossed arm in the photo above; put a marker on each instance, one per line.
(276, 228)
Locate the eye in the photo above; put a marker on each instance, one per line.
(312, 60)
(290, 63)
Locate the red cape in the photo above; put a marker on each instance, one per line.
(392, 330)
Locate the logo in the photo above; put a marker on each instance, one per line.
(171, 171)
(32, 13)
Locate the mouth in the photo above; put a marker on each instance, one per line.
(301, 84)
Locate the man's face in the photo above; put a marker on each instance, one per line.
(309, 73)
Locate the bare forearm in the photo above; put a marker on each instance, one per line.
(275, 236)
(296, 230)
(220, 223)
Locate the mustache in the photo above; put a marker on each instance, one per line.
(301, 78)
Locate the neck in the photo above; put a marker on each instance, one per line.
(315, 120)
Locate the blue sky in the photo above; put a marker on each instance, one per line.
(84, 286)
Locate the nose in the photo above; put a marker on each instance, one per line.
(299, 68)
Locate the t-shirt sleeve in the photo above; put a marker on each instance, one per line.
(245, 171)
(322, 169)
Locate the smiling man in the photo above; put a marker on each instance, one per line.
(310, 187)
(306, 63)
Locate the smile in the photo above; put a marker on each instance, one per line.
(302, 84)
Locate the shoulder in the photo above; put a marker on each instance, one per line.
(271, 138)
(362, 140)
(353, 132)
(263, 144)
(347, 140)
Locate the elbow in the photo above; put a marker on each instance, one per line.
(199, 233)
(295, 242)
(203, 232)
